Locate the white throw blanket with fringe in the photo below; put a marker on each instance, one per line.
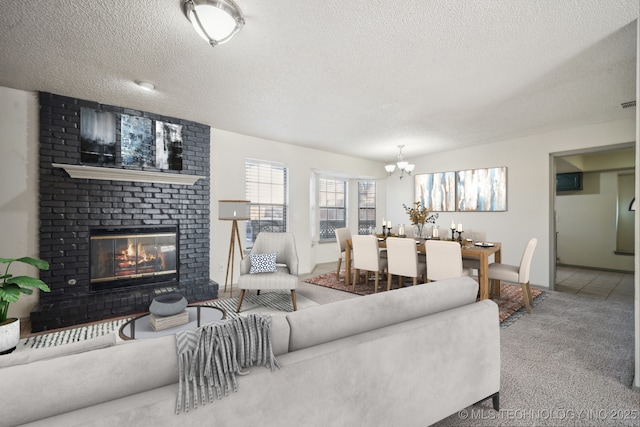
(210, 357)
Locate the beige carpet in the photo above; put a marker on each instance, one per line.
(570, 363)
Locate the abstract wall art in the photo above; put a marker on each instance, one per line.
(136, 141)
(436, 191)
(482, 190)
(97, 137)
(168, 146)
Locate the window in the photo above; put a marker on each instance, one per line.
(366, 207)
(266, 189)
(332, 206)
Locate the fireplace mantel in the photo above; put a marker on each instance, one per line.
(115, 174)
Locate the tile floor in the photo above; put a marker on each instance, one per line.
(607, 285)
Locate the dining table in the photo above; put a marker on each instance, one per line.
(481, 251)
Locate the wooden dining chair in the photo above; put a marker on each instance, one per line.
(342, 235)
(517, 274)
(444, 260)
(403, 261)
(366, 256)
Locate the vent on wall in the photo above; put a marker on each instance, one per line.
(628, 104)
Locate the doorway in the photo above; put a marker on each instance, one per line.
(593, 246)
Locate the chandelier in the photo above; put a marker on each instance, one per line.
(403, 166)
(216, 21)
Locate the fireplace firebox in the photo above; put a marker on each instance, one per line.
(130, 256)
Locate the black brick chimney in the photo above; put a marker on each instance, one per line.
(70, 208)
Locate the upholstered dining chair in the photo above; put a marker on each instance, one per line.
(342, 235)
(474, 263)
(444, 260)
(271, 264)
(366, 256)
(403, 261)
(517, 274)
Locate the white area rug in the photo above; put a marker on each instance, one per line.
(268, 302)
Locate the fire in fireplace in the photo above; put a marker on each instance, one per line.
(133, 256)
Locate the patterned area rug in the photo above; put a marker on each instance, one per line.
(510, 302)
(271, 302)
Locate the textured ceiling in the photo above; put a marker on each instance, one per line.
(348, 76)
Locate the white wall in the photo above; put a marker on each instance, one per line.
(529, 187)
(586, 225)
(19, 222)
(229, 151)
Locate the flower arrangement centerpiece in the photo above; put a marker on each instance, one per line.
(419, 216)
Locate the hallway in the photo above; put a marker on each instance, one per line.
(607, 285)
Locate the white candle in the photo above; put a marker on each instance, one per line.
(383, 222)
(234, 214)
(435, 232)
(453, 225)
(388, 224)
(459, 228)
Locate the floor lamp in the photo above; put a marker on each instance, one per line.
(233, 210)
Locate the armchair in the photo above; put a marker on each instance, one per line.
(262, 270)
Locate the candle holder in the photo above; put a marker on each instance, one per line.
(384, 231)
(453, 233)
(459, 239)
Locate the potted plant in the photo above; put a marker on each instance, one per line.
(10, 289)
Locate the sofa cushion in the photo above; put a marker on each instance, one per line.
(35, 354)
(76, 381)
(357, 315)
(279, 334)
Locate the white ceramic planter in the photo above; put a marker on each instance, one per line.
(9, 335)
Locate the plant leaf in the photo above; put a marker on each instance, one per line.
(36, 262)
(10, 292)
(28, 281)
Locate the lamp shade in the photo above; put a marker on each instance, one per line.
(233, 209)
(216, 21)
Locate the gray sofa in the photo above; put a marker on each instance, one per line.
(406, 357)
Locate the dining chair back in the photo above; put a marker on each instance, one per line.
(517, 274)
(366, 256)
(474, 263)
(402, 258)
(342, 235)
(444, 260)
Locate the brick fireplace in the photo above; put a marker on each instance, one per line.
(72, 210)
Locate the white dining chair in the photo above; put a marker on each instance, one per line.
(474, 263)
(342, 235)
(517, 274)
(444, 260)
(403, 260)
(366, 256)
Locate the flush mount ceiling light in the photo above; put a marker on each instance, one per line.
(403, 166)
(215, 20)
(146, 85)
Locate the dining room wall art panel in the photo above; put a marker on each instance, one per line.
(482, 190)
(436, 191)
